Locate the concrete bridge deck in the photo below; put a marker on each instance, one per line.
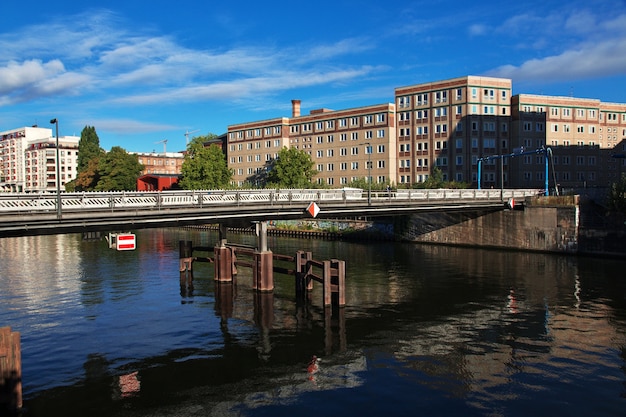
(32, 214)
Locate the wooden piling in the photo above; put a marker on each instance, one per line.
(338, 280)
(224, 264)
(10, 371)
(263, 271)
(303, 270)
(185, 255)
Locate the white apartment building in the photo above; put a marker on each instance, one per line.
(29, 160)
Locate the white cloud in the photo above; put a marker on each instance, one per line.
(587, 61)
(583, 45)
(15, 76)
(244, 87)
(477, 30)
(127, 126)
(107, 58)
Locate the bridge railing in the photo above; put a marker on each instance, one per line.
(101, 201)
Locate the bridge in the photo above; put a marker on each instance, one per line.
(23, 214)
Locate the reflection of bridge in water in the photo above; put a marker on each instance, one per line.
(33, 214)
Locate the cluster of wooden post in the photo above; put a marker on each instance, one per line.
(226, 258)
(333, 277)
(10, 371)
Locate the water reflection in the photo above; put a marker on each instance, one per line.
(430, 328)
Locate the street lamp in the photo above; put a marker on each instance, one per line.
(58, 169)
(369, 173)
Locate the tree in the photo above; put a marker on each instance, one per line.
(86, 179)
(617, 196)
(88, 148)
(89, 154)
(118, 171)
(204, 167)
(292, 168)
(434, 180)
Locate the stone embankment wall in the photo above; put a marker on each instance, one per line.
(546, 224)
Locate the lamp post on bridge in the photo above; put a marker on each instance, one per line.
(58, 169)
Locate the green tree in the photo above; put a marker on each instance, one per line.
(292, 169)
(434, 180)
(118, 171)
(89, 154)
(617, 196)
(204, 167)
(88, 147)
(86, 179)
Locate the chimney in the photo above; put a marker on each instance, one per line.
(295, 108)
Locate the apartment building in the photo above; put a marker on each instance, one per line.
(29, 162)
(161, 163)
(344, 145)
(450, 124)
(161, 170)
(582, 134)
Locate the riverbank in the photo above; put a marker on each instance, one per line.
(565, 225)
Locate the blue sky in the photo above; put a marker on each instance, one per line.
(142, 71)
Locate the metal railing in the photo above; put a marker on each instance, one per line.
(120, 201)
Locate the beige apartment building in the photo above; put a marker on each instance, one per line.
(344, 145)
(450, 124)
(29, 162)
(160, 163)
(582, 134)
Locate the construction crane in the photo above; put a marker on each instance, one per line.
(164, 142)
(187, 133)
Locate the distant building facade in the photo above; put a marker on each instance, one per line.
(583, 135)
(344, 145)
(29, 162)
(449, 125)
(161, 170)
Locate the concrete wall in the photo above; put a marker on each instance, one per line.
(548, 229)
(547, 224)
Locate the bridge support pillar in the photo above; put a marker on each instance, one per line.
(222, 235)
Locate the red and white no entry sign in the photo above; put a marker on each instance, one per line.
(125, 241)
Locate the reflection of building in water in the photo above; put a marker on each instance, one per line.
(40, 267)
(487, 347)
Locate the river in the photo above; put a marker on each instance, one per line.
(427, 330)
